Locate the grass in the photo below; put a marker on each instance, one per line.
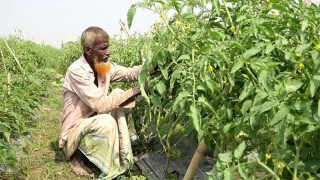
(46, 160)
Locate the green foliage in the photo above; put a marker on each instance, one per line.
(243, 75)
(30, 55)
(128, 52)
(22, 90)
(246, 71)
(124, 52)
(130, 15)
(69, 53)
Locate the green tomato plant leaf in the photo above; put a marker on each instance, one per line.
(238, 152)
(130, 14)
(195, 117)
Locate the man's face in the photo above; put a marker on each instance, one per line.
(99, 55)
(100, 52)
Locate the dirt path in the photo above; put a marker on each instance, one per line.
(46, 160)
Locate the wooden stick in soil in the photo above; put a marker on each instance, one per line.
(14, 56)
(9, 82)
(124, 29)
(4, 63)
(5, 70)
(196, 159)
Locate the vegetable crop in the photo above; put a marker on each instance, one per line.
(243, 76)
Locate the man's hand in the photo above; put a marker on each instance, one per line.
(136, 93)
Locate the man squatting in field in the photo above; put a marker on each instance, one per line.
(94, 126)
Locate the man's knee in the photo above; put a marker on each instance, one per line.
(105, 122)
(117, 90)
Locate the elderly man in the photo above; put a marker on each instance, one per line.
(94, 128)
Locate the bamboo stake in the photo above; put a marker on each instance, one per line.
(123, 29)
(307, 1)
(4, 63)
(5, 70)
(196, 159)
(9, 81)
(14, 56)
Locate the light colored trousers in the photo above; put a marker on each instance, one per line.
(104, 140)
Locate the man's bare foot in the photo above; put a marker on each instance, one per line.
(78, 165)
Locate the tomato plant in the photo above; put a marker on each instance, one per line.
(69, 53)
(23, 81)
(243, 76)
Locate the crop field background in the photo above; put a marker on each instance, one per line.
(242, 77)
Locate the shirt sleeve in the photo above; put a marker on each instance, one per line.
(121, 73)
(81, 84)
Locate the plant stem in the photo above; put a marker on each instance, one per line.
(296, 159)
(194, 82)
(165, 148)
(274, 175)
(229, 16)
(159, 134)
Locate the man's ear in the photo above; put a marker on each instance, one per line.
(88, 50)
